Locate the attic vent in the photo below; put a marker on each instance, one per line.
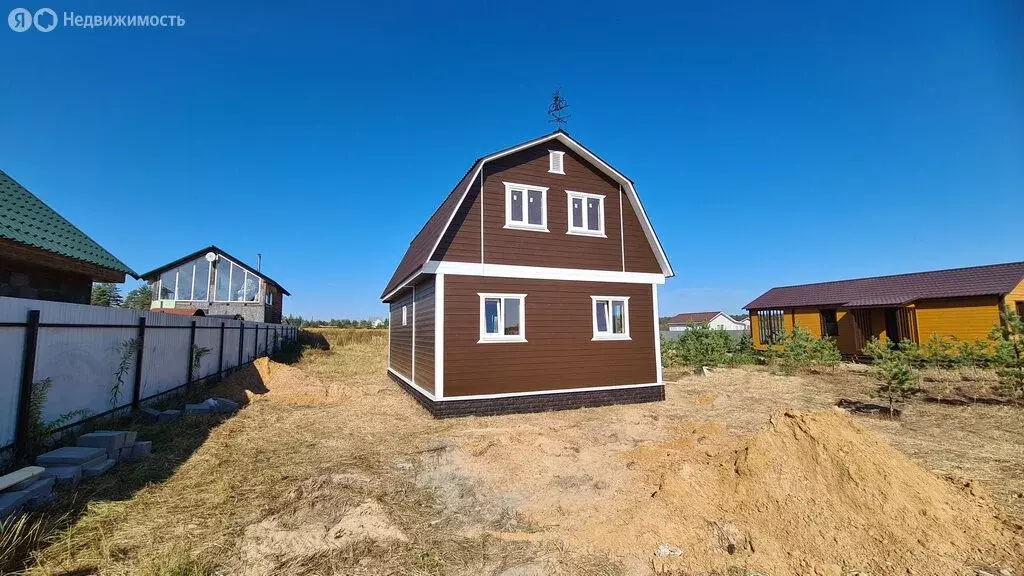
(555, 161)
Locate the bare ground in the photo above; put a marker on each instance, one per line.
(335, 470)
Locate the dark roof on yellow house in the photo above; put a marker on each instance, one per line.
(896, 290)
(26, 219)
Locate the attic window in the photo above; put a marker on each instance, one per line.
(526, 207)
(556, 162)
(586, 214)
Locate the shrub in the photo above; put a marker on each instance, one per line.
(1009, 351)
(702, 346)
(893, 368)
(801, 349)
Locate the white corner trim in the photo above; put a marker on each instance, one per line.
(439, 335)
(539, 273)
(413, 358)
(538, 392)
(657, 332)
(561, 162)
(622, 231)
(413, 384)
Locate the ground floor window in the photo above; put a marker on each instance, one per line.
(611, 317)
(829, 324)
(770, 326)
(502, 317)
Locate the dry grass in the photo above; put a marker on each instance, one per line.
(244, 494)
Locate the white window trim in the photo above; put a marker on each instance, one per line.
(551, 161)
(160, 282)
(625, 320)
(525, 225)
(584, 231)
(486, 338)
(405, 315)
(231, 268)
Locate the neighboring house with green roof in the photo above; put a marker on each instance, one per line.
(45, 257)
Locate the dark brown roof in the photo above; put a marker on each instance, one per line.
(993, 280)
(693, 317)
(423, 245)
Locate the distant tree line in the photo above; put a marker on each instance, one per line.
(108, 294)
(334, 322)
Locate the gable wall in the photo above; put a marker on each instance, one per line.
(555, 248)
(1015, 295)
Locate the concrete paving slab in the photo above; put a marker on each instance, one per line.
(99, 468)
(22, 476)
(225, 405)
(149, 415)
(140, 449)
(40, 502)
(41, 487)
(11, 502)
(64, 474)
(106, 439)
(70, 455)
(168, 416)
(203, 408)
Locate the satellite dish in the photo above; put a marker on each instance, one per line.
(211, 257)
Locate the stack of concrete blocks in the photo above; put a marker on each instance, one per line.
(119, 445)
(26, 489)
(154, 416)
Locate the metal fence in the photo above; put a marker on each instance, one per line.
(103, 360)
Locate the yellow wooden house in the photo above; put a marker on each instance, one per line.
(963, 303)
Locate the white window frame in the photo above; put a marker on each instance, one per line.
(525, 224)
(583, 197)
(231, 273)
(486, 338)
(405, 315)
(552, 154)
(609, 335)
(192, 292)
(268, 298)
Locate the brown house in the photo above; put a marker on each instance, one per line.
(534, 286)
(962, 303)
(45, 257)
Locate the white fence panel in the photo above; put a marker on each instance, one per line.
(83, 354)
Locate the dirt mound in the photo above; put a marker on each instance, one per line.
(818, 493)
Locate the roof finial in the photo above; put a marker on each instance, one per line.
(557, 108)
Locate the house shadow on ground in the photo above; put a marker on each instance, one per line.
(173, 444)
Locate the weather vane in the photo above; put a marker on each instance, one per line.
(557, 108)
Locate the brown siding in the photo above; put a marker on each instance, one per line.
(964, 318)
(639, 254)
(559, 353)
(554, 248)
(424, 334)
(401, 336)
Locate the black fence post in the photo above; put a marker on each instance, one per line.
(191, 347)
(241, 340)
(220, 354)
(140, 346)
(266, 340)
(28, 368)
(256, 341)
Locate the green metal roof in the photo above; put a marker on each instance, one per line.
(26, 219)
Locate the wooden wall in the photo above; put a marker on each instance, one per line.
(625, 242)
(424, 334)
(400, 343)
(965, 318)
(1015, 295)
(559, 352)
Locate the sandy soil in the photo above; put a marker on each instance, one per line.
(332, 469)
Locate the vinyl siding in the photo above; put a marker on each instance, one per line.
(424, 334)
(400, 337)
(964, 318)
(554, 248)
(559, 352)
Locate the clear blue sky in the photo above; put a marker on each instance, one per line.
(772, 143)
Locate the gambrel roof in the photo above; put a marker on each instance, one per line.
(897, 290)
(426, 241)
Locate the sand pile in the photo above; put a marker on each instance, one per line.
(812, 493)
(819, 493)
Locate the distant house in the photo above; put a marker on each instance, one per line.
(217, 284)
(534, 286)
(714, 320)
(963, 303)
(45, 257)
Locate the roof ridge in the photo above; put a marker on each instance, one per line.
(884, 276)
